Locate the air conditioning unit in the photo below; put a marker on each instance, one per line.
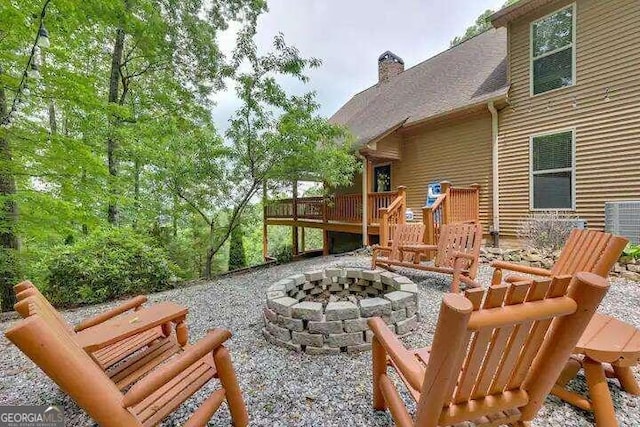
(623, 219)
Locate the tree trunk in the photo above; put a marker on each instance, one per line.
(136, 192)
(112, 143)
(9, 243)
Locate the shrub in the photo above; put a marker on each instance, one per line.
(107, 265)
(632, 251)
(237, 257)
(283, 253)
(546, 231)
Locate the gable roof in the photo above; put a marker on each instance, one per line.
(468, 74)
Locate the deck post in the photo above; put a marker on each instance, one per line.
(325, 233)
(427, 220)
(445, 186)
(294, 229)
(365, 202)
(265, 236)
(302, 240)
(402, 193)
(476, 201)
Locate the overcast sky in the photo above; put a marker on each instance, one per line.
(349, 35)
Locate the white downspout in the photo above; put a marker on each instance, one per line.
(496, 181)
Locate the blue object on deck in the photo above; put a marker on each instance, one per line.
(433, 191)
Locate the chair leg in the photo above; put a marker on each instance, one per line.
(599, 393)
(379, 357)
(570, 371)
(229, 382)
(627, 381)
(496, 279)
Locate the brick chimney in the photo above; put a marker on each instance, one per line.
(389, 65)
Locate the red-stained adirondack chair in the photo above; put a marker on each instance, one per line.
(148, 401)
(126, 341)
(403, 235)
(585, 250)
(458, 246)
(495, 356)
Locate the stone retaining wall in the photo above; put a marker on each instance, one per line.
(338, 326)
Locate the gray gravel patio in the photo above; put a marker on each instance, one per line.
(284, 388)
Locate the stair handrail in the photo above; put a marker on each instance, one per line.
(392, 215)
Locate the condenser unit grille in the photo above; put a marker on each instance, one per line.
(623, 219)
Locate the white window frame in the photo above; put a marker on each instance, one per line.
(572, 45)
(572, 169)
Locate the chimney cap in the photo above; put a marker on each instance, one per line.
(390, 56)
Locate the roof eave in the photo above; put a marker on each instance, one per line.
(502, 96)
(504, 16)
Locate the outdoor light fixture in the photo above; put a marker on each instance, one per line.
(43, 38)
(33, 72)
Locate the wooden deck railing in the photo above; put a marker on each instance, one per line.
(455, 204)
(392, 215)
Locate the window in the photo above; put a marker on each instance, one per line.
(553, 51)
(552, 171)
(381, 178)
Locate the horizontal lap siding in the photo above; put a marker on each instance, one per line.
(607, 130)
(458, 151)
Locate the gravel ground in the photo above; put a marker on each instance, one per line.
(284, 388)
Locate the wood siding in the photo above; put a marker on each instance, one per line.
(603, 107)
(458, 151)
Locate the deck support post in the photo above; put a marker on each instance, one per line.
(294, 229)
(365, 197)
(302, 240)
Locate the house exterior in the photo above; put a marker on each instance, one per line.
(541, 113)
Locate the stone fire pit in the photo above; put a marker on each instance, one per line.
(326, 312)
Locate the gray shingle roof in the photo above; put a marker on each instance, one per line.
(467, 74)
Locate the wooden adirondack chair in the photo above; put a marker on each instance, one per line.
(148, 401)
(403, 234)
(127, 358)
(585, 250)
(457, 253)
(495, 355)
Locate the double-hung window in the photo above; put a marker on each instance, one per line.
(553, 51)
(553, 171)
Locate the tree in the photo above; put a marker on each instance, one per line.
(273, 136)
(481, 25)
(237, 257)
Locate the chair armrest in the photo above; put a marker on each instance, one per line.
(503, 265)
(418, 248)
(403, 358)
(152, 382)
(131, 304)
(378, 248)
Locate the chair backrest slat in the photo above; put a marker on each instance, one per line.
(588, 250)
(478, 349)
(500, 336)
(465, 237)
(405, 235)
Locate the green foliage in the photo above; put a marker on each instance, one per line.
(106, 265)
(176, 178)
(481, 25)
(632, 251)
(283, 254)
(237, 257)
